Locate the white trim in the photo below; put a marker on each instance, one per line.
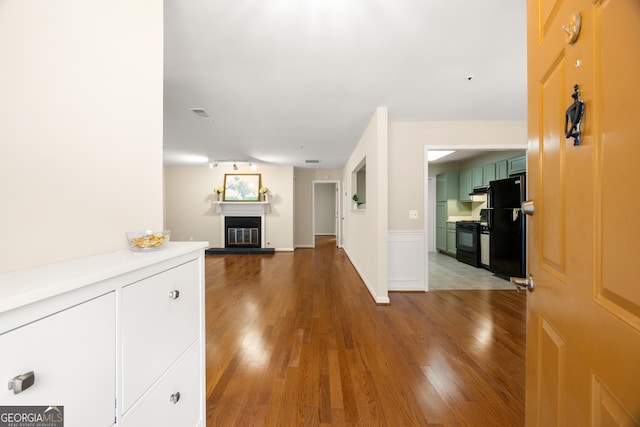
(338, 213)
(253, 209)
(406, 260)
(376, 298)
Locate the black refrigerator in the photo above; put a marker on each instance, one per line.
(507, 232)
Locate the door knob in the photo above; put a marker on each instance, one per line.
(528, 207)
(522, 282)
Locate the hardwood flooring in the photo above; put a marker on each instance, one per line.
(295, 339)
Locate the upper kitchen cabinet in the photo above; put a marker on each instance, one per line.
(488, 174)
(517, 165)
(478, 177)
(466, 185)
(501, 170)
(447, 186)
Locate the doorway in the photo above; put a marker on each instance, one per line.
(442, 269)
(325, 210)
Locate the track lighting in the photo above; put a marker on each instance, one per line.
(232, 163)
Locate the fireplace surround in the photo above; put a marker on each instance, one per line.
(243, 236)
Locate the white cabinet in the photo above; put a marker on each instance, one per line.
(160, 317)
(174, 401)
(113, 338)
(73, 358)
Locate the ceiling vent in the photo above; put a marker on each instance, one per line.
(312, 161)
(202, 113)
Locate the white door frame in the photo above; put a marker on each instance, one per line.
(428, 233)
(337, 213)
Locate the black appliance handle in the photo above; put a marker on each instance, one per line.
(490, 220)
(490, 197)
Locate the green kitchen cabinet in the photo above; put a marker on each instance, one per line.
(478, 177)
(466, 185)
(451, 238)
(501, 170)
(488, 174)
(517, 165)
(441, 226)
(447, 186)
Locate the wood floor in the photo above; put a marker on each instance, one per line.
(295, 339)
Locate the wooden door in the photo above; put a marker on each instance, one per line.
(583, 317)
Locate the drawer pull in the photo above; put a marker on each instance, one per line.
(174, 294)
(22, 382)
(175, 397)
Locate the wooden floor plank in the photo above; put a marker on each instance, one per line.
(295, 339)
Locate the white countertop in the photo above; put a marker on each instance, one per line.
(463, 218)
(22, 287)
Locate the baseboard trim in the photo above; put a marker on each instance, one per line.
(239, 251)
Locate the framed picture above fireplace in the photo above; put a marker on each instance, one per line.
(242, 187)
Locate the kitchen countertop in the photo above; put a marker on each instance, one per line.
(463, 218)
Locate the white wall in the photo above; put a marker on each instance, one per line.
(365, 233)
(406, 158)
(408, 178)
(80, 127)
(190, 214)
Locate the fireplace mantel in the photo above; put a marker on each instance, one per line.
(242, 208)
(260, 209)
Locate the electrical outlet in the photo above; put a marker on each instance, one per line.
(413, 214)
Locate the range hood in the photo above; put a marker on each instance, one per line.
(479, 190)
(479, 194)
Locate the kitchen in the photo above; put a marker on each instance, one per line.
(479, 229)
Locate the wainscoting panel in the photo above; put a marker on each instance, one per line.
(407, 261)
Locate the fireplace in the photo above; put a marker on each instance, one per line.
(244, 218)
(242, 232)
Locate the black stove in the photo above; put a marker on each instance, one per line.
(468, 242)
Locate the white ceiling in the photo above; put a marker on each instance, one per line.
(294, 80)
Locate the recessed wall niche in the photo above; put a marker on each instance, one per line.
(359, 184)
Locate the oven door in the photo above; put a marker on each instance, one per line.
(466, 238)
(468, 243)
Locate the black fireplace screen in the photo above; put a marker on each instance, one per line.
(242, 232)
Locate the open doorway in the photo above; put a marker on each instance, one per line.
(325, 210)
(443, 271)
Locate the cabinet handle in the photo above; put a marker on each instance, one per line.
(22, 382)
(174, 294)
(175, 397)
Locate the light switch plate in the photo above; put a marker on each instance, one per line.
(413, 214)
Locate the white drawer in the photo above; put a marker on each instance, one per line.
(72, 354)
(156, 327)
(157, 409)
